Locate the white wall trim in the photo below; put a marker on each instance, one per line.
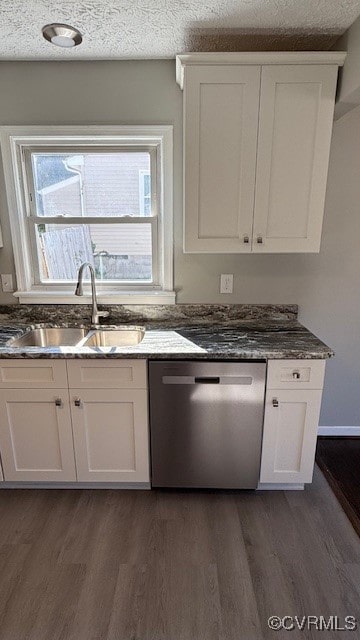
(339, 431)
(126, 297)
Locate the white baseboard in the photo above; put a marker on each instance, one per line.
(339, 431)
(279, 486)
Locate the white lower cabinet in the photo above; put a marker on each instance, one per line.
(291, 421)
(110, 435)
(36, 440)
(89, 422)
(290, 433)
(94, 431)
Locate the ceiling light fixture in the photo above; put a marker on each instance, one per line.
(62, 35)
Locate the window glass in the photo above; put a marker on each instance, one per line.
(92, 184)
(145, 193)
(117, 251)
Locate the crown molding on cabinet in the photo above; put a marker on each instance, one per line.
(256, 58)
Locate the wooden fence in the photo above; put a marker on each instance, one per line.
(64, 250)
(125, 257)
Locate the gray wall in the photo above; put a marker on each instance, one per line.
(349, 79)
(325, 286)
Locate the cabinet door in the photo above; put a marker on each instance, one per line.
(221, 120)
(35, 435)
(110, 435)
(289, 438)
(296, 115)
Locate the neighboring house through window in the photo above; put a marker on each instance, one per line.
(103, 196)
(145, 192)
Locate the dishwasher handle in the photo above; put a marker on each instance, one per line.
(222, 380)
(207, 380)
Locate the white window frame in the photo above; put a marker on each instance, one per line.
(16, 143)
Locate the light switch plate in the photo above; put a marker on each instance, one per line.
(7, 282)
(226, 282)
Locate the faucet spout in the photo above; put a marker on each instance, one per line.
(95, 313)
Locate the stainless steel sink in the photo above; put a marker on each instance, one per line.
(120, 337)
(50, 337)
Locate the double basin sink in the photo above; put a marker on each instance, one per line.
(123, 336)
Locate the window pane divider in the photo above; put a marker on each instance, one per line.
(66, 220)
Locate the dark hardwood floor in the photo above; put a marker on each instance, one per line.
(161, 565)
(339, 460)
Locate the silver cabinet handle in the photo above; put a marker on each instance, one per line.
(77, 402)
(296, 375)
(246, 239)
(58, 402)
(259, 240)
(275, 402)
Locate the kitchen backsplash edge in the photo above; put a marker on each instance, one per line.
(179, 314)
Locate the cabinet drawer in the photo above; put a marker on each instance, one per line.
(295, 374)
(107, 374)
(33, 374)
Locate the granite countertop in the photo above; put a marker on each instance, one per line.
(195, 331)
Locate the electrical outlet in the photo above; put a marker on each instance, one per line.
(7, 282)
(226, 283)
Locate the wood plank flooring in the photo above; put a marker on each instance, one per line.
(162, 565)
(339, 460)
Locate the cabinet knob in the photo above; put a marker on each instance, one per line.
(275, 402)
(58, 402)
(259, 240)
(77, 402)
(246, 239)
(296, 375)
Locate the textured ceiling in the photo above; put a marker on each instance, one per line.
(116, 29)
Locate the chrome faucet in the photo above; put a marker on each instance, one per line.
(95, 313)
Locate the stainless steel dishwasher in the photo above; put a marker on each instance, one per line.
(206, 423)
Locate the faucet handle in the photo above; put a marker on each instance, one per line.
(103, 314)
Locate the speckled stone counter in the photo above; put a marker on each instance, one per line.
(227, 332)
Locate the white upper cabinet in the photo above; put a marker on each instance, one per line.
(295, 123)
(221, 104)
(257, 131)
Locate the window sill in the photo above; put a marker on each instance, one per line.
(63, 297)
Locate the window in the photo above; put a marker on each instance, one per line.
(100, 188)
(104, 197)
